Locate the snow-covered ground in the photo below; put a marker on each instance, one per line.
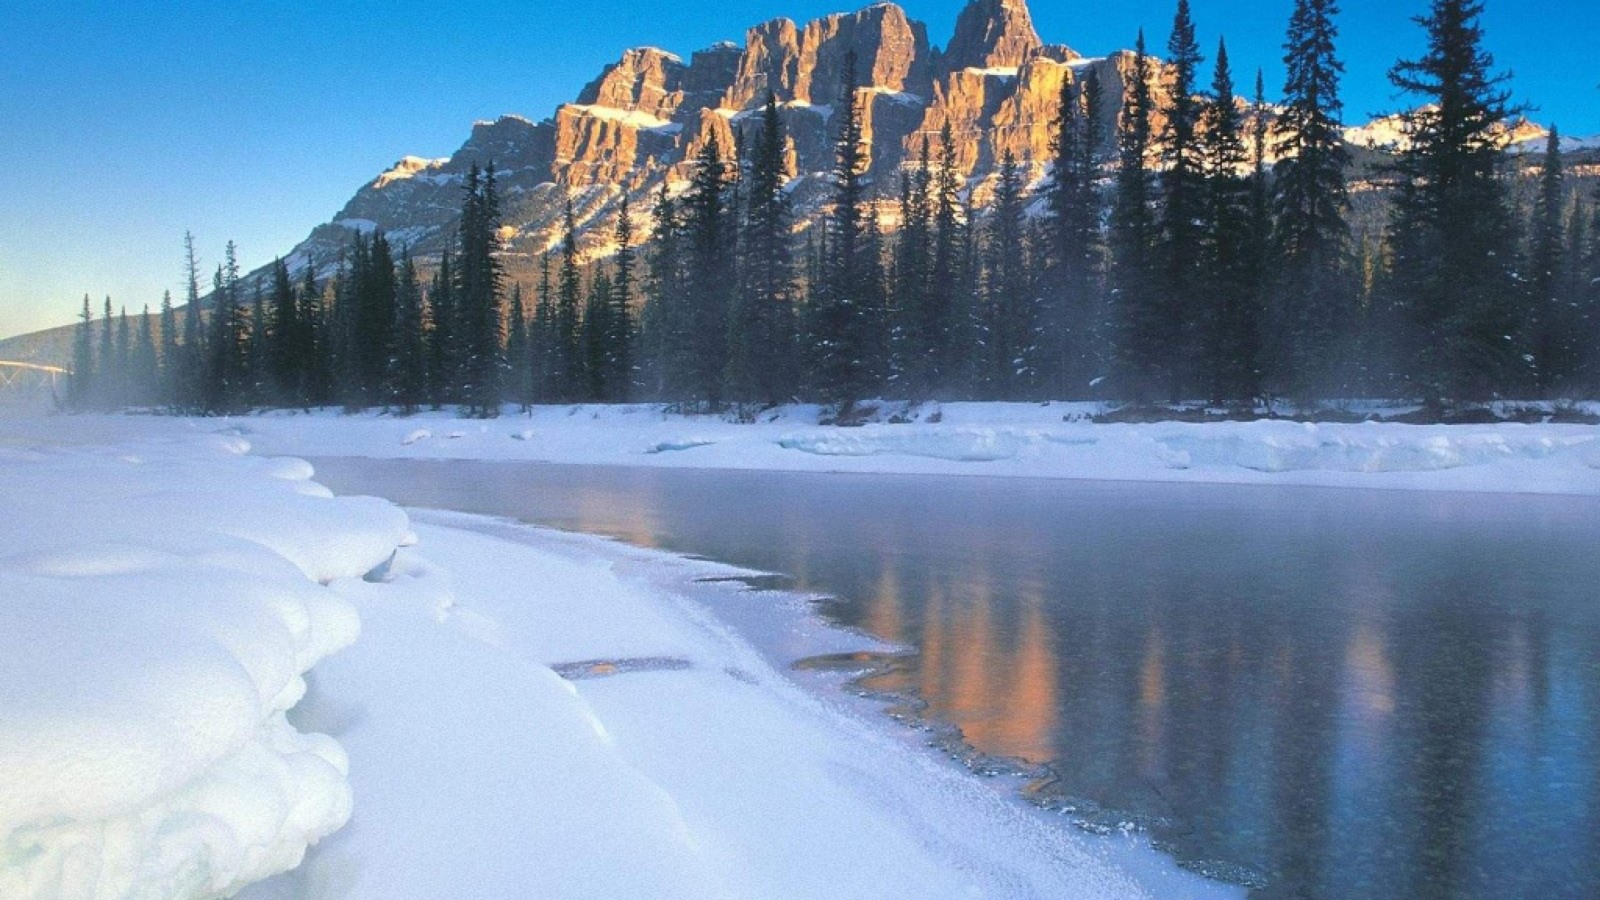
(164, 596)
(1026, 440)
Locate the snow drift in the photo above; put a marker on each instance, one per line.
(159, 608)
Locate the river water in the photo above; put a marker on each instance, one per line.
(1322, 693)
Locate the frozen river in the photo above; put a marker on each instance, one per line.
(1328, 693)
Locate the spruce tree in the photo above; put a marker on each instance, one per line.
(761, 363)
(1229, 318)
(837, 368)
(170, 356)
(313, 340)
(541, 337)
(406, 384)
(193, 369)
(596, 332)
(1451, 235)
(82, 386)
(442, 344)
(910, 338)
(284, 357)
(1553, 329)
(225, 385)
(662, 328)
(479, 296)
(519, 355)
(1013, 319)
(124, 357)
(711, 277)
(1182, 198)
(619, 355)
(947, 302)
(1144, 349)
(1073, 330)
(109, 382)
(145, 374)
(569, 372)
(1311, 292)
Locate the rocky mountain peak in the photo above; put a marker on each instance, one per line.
(992, 34)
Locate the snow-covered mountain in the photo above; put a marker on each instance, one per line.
(996, 83)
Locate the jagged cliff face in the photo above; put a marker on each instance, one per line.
(648, 115)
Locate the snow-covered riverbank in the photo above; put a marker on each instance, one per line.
(997, 439)
(164, 599)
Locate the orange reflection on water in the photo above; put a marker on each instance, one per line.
(1001, 690)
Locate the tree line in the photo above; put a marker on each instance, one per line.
(1184, 266)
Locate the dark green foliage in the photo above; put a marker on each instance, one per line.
(1072, 332)
(406, 378)
(762, 364)
(709, 277)
(82, 386)
(1012, 314)
(568, 373)
(478, 297)
(1553, 323)
(1144, 345)
(840, 294)
(1451, 275)
(1228, 266)
(1310, 297)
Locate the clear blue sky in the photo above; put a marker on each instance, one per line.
(123, 124)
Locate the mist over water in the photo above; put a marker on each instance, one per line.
(1338, 692)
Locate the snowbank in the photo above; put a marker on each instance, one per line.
(159, 608)
(689, 767)
(998, 439)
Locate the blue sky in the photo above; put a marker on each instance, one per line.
(124, 124)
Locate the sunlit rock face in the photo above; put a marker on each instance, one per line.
(643, 121)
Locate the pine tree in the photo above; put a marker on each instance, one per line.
(284, 358)
(1182, 197)
(569, 335)
(109, 382)
(946, 301)
(124, 359)
(407, 377)
(1553, 327)
(479, 296)
(541, 338)
(711, 277)
(761, 361)
(192, 372)
(519, 355)
(662, 328)
(619, 355)
(837, 368)
(313, 340)
(1073, 331)
(910, 338)
(225, 385)
(1451, 234)
(442, 353)
(1143, 347)
(1229, 319)
(258, 363)
(170, 356)
(596, 331)
(82, 386)
(145, 373)
(1310, 295)
(1012, 324)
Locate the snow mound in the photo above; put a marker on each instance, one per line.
(161, 606)
(957, 444)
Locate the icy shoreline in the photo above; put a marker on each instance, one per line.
(178, 632)
(990, 439)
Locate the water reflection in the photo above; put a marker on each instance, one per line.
(1350, 694)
